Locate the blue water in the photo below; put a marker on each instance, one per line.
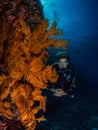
(79, 21)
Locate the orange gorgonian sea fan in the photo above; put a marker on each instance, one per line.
(24, 72)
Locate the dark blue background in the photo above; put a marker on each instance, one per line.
(79, 21)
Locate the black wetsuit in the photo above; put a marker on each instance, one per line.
(65, 79)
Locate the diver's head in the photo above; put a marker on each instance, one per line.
(62, 60)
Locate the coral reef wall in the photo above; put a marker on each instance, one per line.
(29, 10)
(23, 69)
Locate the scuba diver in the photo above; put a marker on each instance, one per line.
(64, 86)
(66, 81)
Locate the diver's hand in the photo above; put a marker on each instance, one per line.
(59, 93)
